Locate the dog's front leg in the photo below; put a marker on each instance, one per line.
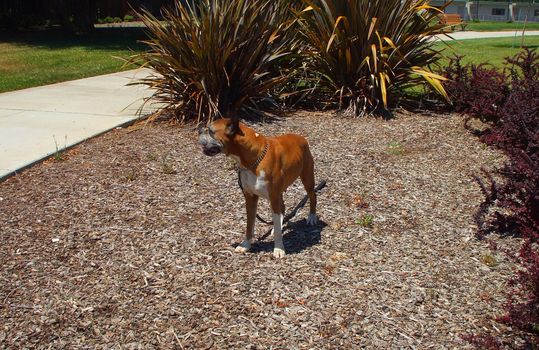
(277, 205)
(251, 202)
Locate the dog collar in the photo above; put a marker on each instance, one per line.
(260, 157)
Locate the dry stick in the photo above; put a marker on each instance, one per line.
(294, 211)
(9, 294)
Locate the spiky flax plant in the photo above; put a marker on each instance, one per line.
(367, 52)
(212, 58)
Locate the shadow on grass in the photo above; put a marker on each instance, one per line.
(100, 39)
(516, 46)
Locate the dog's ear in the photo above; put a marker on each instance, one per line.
(233, 127)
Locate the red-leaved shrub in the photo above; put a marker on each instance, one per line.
(476, 89)
(522, 306)
(509, 101)
(517, 134)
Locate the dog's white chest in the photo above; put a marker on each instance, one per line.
(254, 184)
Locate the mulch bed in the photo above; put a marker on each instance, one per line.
(129, 243)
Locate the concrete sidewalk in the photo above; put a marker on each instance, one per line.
(35, 121)
(485, 35)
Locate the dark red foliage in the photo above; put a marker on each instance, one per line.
(517, 134)
(484, 341)
(509, 101)
(476, 89)
(523, 300)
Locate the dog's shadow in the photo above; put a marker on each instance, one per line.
(297, 237)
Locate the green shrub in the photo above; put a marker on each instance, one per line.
(367, 52)
(117, 20)
(129, 18)
(366, 220)
(108, 19)
(396, 148)
(215, 57)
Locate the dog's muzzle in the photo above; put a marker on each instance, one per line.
(210, 146)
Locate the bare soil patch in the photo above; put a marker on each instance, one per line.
(128, 243)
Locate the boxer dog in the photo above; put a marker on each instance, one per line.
(268, 165)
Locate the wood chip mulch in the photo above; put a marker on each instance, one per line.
(129, 243)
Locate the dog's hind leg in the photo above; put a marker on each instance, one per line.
(251, 203)
(307, 178)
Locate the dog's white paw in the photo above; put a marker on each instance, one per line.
(243, 247)
(312, 219)
(278, 253)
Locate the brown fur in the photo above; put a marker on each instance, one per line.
(287, 158)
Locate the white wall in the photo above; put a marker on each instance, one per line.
(485, 10)
(459, 8)
(521, 9)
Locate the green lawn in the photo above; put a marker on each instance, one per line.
(492, 51)
(38, 58)
(486, 26)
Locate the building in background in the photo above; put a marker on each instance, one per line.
(493, 10)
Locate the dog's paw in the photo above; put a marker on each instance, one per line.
(278, 253)
(243, 247)
(312, 219)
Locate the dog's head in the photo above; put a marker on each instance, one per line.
(219, 136)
